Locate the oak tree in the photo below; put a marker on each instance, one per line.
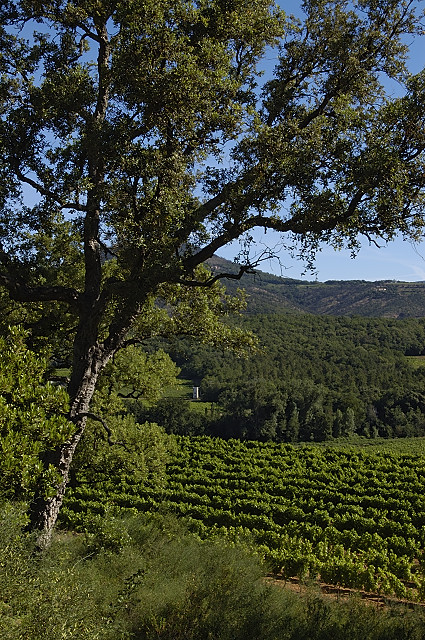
(138, 138)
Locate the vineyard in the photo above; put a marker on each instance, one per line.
(351, 517)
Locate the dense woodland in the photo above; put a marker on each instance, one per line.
(311, 379)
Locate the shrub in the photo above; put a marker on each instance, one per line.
(148, 579)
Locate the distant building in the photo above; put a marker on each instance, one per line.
(195, 394)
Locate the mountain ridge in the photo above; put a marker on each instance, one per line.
(268, 293)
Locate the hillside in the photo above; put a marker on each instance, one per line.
(382, 299)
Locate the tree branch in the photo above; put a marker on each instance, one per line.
(228, 276)
(49, 194)
(94, 416)
(20, 292)
(295, 224)
(233, 231)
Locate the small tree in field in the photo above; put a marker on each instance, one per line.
(136, 140)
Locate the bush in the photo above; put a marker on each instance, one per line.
(148, 579)
(32, 419)
(43, 597)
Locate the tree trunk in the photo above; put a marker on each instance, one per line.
(89, 358)
(88, 361)
(44, 511)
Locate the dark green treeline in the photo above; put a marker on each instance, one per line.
(314, 379)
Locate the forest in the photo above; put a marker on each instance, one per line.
(312, 378)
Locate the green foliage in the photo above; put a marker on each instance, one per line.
(311, 379)
(354, 517)
(159, 582)
(140, 450)
(176, 416)
(199, 314)
(50, 598)
(113, 443)
(136, 374)
(32, 419)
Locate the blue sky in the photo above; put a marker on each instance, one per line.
(398, 260)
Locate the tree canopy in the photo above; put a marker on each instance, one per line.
(136, 139)
(314, 378)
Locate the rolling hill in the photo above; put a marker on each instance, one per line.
(271, 293)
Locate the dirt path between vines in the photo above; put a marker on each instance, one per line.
(341, 593)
